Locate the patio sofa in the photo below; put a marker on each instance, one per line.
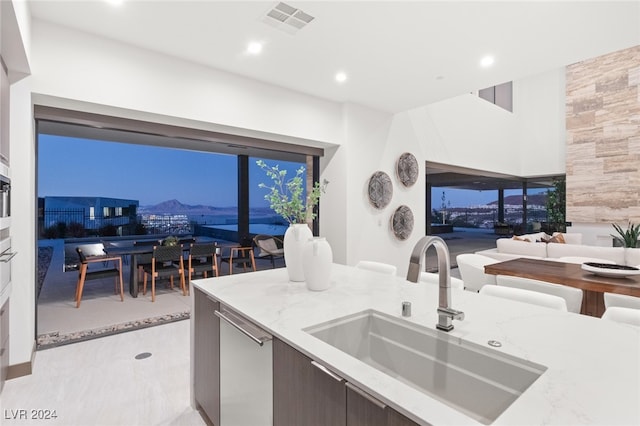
(532, 246)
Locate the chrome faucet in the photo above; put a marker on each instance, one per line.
(446, 314)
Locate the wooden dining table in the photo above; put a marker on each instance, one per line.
(569, 274)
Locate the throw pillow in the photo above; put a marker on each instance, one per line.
(268, 245)
(557, 239)
(515, 237)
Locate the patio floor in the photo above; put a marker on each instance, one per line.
(102, 313)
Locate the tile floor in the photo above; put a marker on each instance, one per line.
(100, 382)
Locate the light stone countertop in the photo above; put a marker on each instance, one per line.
(593, 374)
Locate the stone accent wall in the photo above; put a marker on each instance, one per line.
(603, 138)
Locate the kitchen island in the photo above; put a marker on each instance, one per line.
(592, 366)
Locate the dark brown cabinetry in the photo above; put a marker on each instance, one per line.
(302, 393)
(306, 393)
(206, 362)
(4, 342)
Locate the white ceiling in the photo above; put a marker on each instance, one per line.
(398, 55)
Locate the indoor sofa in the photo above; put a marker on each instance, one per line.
(533, 246)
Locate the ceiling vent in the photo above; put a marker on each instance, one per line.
(287, 18)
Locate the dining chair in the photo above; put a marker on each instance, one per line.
(434, 278)
(572, 296)
(527, 296)
(622, 315)
(621, 300)
(240, 256)
(270, 248)
(581, 260)
(383, 268)
(84, 274)
(471, 267)
(202, 258)
(165, 261)
(144, 259)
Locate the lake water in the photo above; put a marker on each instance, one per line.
(255, 228)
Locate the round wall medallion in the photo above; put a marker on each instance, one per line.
(380, 190)
(407, 169)
(402, 222)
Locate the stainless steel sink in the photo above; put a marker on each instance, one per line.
(475, 380)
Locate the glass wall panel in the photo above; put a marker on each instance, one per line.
(262, 219)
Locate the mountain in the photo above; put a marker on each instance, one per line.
(516, 200)
(176, 207)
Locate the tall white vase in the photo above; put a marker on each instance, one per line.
(317, 258)
(294, 240)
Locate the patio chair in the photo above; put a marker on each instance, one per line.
(165, 261)
(203, 258)
(270, 248)
(241, 256)
(143, 260)
(84, 274)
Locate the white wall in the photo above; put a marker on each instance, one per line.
(23, 218)
(468, 131)
(539, 109)
(373, 142)
(78, 66)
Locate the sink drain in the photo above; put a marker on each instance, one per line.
(143, 355)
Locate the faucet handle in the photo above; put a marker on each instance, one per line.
(451, 313)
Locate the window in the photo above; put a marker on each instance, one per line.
(500, 95)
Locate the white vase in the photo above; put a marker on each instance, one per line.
(294, 240)
(317, 258)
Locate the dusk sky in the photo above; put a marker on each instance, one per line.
(80, 167)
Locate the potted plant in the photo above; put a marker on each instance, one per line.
(556, 206)
(629, 237)
(286, 199)
(170, 241)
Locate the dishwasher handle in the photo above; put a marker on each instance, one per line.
(5, 259)
(238, 325)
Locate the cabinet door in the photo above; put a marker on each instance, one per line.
(365, 410)
(304, 394)
(4, 343)
(206, 348)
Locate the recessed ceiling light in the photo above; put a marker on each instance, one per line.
(341, 77)
(487, 61)
(254, 48)
(115, 2)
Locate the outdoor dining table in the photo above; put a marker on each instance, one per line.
(134, 252)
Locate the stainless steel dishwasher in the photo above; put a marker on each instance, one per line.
(246, 371)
